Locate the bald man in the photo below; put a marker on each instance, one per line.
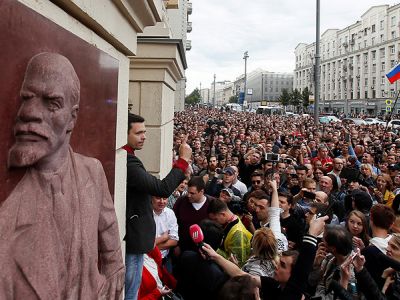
(59, 235)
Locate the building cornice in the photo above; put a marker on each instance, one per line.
(134, 16)
(166, 41)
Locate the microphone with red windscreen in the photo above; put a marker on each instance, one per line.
(196, 234)
(197, 237)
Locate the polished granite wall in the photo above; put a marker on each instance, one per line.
(24, 33)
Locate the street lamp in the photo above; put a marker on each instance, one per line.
(317, 63)
(245, 57)
(214, 92)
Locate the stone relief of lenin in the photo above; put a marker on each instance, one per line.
(58, 229)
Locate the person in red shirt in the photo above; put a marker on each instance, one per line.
(324, 158)
(156, 281)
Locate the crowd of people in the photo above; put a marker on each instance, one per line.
(288, 210)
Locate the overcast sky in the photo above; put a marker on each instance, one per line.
(268, 29)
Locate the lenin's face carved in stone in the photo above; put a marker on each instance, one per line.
(48, 112)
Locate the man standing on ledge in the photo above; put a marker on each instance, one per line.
(140, 225)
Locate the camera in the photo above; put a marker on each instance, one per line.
(272, 157)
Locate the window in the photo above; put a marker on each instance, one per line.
(381, 25)
(365, 57)
(382, 38)
(373, 68)
(373, 41)
(366, 82)
(373, 80)
(383, 66)
(373, 28)
(392, 63)
(382, 52)
(393, 21)
(373, 54)
(382, 93)
(382, 80)
(393, 34)
(365, 43)
(391, 49)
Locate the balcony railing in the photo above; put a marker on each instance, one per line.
(188, 45)
(171, 4)
(189, 27)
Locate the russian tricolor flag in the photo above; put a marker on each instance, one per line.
(394, 74)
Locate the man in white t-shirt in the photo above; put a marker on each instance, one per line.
(166, 225)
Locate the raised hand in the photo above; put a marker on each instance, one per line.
(185, 152)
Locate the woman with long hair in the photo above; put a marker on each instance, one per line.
(383, 191)
(265, 254)
(357, 225)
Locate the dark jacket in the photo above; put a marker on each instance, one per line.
(199, 279)
(245, 171)
(365, 284)
(140, 226)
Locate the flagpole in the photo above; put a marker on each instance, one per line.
(396, 65)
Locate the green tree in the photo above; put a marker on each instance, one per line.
(305, 95)
(233, 99)
(194, 97)
(284, 98)
(295, 99)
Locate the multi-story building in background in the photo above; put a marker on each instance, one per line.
(178, 20)
(227, 92)
(205, 96)
(354, 62)
(238, 85)
(222, 90)
(265, 88)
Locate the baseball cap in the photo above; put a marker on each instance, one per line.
(228, 191)
(228, 170)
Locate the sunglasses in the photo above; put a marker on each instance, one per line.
(256, 181)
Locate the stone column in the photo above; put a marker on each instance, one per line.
(153, 78)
